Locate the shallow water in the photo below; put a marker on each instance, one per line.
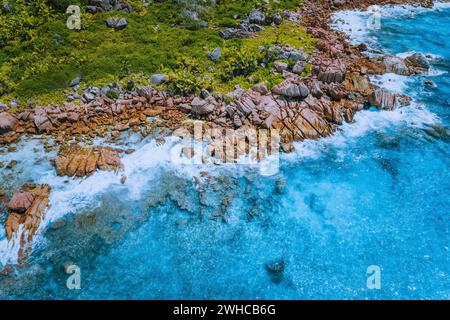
(374, 194)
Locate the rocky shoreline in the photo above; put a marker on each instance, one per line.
(299, 108)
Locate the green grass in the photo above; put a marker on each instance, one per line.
(157, 39)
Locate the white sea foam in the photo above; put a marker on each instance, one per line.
(391, 81)
(9, 250)
(355, 22)
(70, 196)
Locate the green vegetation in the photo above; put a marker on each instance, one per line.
(39, 55)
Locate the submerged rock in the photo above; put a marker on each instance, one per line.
(395, 65)
(276, 270)
(417, 63)
(438, 131)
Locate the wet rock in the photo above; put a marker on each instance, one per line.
(417, 63)
(78, 161)
(7, 122)
(11, 164)
(30, 219)
(58, 224)
(280, 186)
(187, 152)
(414, 64)
(438, 132)
(181, 222)
(349, 115)
(383, 99)
(429, 84)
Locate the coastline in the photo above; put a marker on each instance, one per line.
(107, 118)
(319, 28)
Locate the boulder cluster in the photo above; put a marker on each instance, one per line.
(27, 209)
(99, 117)
(83, 161)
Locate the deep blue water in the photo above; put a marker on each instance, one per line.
(375, 194)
